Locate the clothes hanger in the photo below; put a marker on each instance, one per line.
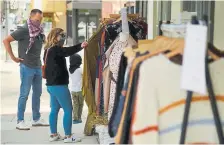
(142, 42)
(156, 46)
(106, 21)
(117, 16)
(180, 50)
(119, 19)
(216, 51)
(129, 17)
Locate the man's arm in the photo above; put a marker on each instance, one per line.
(8, 48)
(16, 35)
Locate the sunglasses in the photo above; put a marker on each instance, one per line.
(63, 35)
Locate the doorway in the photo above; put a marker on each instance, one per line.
(87, 23)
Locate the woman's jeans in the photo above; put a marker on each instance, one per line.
(60, 98)
(29, 77)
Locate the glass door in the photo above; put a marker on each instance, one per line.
(82, 23)
(87, 24)
(92, 25)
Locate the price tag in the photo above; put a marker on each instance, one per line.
(193, 69)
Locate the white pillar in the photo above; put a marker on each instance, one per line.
(152, 19)
(7, 29)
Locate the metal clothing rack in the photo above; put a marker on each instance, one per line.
(211, 97)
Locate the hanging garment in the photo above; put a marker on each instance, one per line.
(106, 81)
(160, 97)
(120, 97)
(131, 98)
(144, 26)
(120, 133)
(102, 62)
(106, 87)
(101, 98)
(97, 84)
(120, 82)
(123, 132)
(125, 136)
(100, 87)
(107, 78)
(112, 126)
(114, 61)
(113, 30)
(89, 76)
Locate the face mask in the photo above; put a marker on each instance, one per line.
(36, 23)
(61, 41)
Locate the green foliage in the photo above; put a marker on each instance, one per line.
(47, 19)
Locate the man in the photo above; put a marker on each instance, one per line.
(30, 38)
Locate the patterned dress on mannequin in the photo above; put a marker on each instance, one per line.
(114, 61)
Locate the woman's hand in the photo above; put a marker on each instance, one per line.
(84, 44)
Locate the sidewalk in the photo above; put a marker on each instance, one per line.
(37, 135)
(10, 82)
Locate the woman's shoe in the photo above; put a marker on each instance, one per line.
(72, 139)
(55, 138)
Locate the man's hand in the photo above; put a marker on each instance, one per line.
(84, 44)
(8, 48)
(17, 60)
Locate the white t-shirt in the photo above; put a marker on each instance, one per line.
(75, 80)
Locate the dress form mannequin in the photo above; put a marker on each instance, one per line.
(124, 36)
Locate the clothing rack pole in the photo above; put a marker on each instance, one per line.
(212, 101)
(212, 98)
(186, 116)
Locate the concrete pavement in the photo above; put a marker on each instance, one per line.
(10, 82)
(37, 135)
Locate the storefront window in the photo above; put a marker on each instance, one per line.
(172, 11)
(219, 25)
(87, 23)
(189, 6)
(141, 8)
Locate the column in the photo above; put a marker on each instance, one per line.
(152, 19)
(7, 29)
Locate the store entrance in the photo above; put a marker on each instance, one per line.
(87, 23)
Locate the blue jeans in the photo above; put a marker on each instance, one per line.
(29, 77)
(60, 98)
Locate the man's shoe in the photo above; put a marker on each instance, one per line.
(22, 126)
(40, 122)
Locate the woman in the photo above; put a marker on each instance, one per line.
(57, 82)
